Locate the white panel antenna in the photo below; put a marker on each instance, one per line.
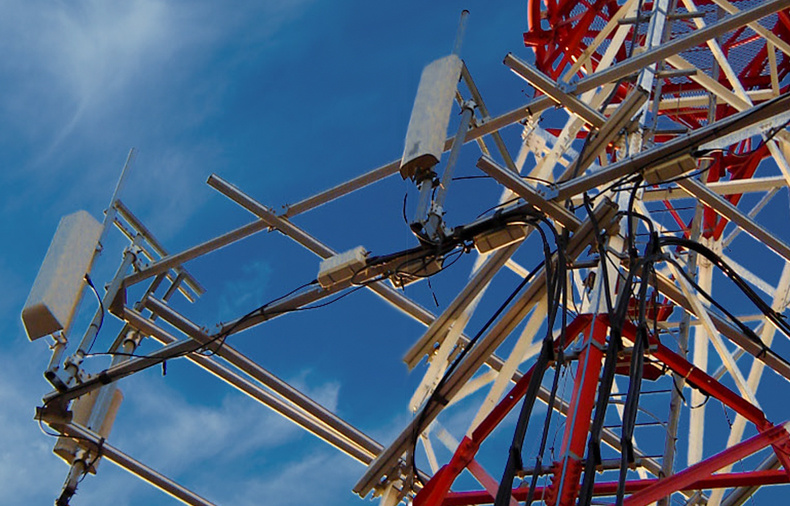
(56, 291)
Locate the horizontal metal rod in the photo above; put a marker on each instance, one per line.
(311, 243)
(292, 405)
(679, 44)
(768, 357)
(349, 445)
(342, 189)
(176, 348)
(736, 187)
(674, 149)
(516, 184)
(488, 127)
(548, 86)
(172, 261)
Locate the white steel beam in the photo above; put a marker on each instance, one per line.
(674, 149)
(724, 208)
(771, 49)
(614, 23)
(749, 276)
(734, 187)
(765, 355)
(682, 102)
(517, 185)
(525, 348)
(694, 38)
(715, 339)
(718, 55)
(477, 356)
(547, 85)
(437, 329)
(767, 334)
(752, 213)
(765, 33)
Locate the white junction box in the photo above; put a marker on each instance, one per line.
(56, 291)
(499, 238)
(341, 267)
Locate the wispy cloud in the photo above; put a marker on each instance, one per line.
(299, 482)
(29, 472)
(182, 431)
(84, 81)
(78, 61)
(182, 437)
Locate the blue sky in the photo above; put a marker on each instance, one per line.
(283, 99)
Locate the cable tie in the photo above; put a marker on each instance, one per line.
(104, 378)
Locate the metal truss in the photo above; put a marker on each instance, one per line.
(645, 105)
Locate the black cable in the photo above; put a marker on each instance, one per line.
(101, 308)
(486, 176)
(556, 284)
(259, 311)
(618, 187)
(458, 359)
(776, 318)
(503, 204)
(745, 329)
(514, 461)
(601, 250)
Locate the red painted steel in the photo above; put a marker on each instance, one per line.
(705, 468)
(566, 473)
(723, 480)
(565, 485)
(560, 31)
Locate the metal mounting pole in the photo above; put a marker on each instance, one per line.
(459, 34)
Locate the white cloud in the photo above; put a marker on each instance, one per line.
(29, 472)
(74, 60)
(181, 432)
(169, 430)
(87, 80)
(313, 479)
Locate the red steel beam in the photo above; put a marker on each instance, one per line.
(686, 478)
(710, 385)
(723, 480)
(565, 483)
(700, 379)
